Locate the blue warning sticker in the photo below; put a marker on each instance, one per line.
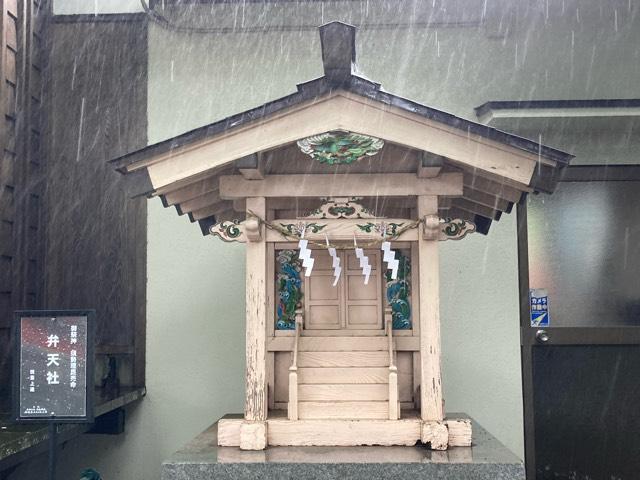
(539, 307)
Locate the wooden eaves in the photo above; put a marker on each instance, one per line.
(497, 167)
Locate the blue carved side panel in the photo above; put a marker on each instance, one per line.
(288, 288)
(399, 292)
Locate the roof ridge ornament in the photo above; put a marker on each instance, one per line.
(338, 42)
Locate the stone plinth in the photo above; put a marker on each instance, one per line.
(202, 459)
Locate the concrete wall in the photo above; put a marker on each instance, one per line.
(510, 50)
(74, 7)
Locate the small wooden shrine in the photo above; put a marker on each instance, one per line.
(342, 193)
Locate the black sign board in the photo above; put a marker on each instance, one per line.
(53, 366)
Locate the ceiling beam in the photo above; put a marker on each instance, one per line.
(251, 167)
(429, 165)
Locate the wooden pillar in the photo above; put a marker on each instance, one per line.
(253, 431)
(431, 409)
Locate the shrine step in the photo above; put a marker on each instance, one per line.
(343, 359)
(341, 392)
(342, 378)
(343, 410)
(343, 375)
(343, 344)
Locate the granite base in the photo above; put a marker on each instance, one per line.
(202, 459)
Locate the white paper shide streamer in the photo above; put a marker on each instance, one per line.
(304, 253)
(337, 269)
(364, 261)
(390, 257)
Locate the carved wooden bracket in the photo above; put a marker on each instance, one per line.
(229, 231)
(455, 228)
(252, 229)
(431, 227)
(435, 228)
(341, 207)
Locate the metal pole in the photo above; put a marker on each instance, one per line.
(53, 444)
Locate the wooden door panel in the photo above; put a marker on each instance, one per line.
(350, 304)
(321, 288)
(323, 317)
(322, 261)
(363, 303)
(363, 316)
(357, 290)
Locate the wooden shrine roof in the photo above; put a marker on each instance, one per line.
(497, 166)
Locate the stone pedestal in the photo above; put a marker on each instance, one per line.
(202, 459)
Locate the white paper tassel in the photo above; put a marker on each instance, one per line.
(337, 269)
(364, 262)
(305, 254)
(390, 258)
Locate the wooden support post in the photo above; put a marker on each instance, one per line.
(292, 407)
(293, 371)
(253, 430)
(394, 405)
(394, 410)
(430, 380)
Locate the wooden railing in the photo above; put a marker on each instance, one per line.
(292, 407)
(394, 406)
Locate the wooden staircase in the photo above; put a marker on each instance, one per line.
(343, 378)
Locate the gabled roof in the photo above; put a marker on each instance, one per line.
(175, 163)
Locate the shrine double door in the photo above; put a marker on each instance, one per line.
(351, 306)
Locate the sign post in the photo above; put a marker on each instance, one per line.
(53, 370)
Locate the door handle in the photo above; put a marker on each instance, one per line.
(542, 336)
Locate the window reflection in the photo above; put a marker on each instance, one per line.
(584, 248)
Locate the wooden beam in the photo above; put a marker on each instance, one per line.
(198, 203)
(455, 212)
(476, 208)
(459, 432)
(255, 409)
(251, 167)
(208, 211)
(343, 229)
(191, 191)
(405, 431)
(385, 206)
(430, 165)
(492, 187)
(339, 344)
(486, 199)
(388, 212)
(431, 408)
(346, 185)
